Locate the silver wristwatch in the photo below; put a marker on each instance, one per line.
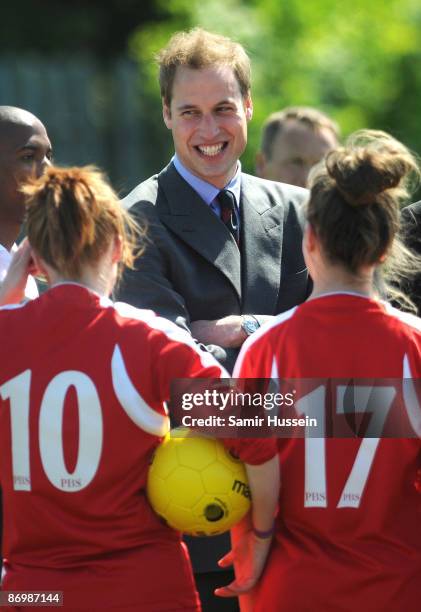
(249, 324)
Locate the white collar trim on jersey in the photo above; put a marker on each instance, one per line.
(103, 297)
(354, 293)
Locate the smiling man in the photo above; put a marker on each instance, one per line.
(207, 114)
(224, 248)
(223, 253)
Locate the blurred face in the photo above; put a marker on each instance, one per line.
(295, 150)
(208, 118)
(25, 150)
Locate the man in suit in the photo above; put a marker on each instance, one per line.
(193, 271)
(223, 249)
(411, 232)
(293, 141)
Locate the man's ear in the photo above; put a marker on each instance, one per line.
(166, 114)
(248, 105)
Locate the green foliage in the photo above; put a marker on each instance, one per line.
(360, 61)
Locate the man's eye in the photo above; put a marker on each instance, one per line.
(49, 155)
(29, 157)
(189, 113)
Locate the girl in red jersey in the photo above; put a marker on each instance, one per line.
(83, 383)
(348, 533)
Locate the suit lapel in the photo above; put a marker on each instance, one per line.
(193, 221)
(261, 240)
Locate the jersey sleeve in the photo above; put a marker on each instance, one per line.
(152, 353)
(253, 451)
(177, 356)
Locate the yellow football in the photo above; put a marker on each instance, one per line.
(196, 485)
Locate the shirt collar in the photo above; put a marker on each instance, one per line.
(205, 190)
(4, 250)
(31, 290)
(5, 258)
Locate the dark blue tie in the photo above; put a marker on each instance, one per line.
(229, 215)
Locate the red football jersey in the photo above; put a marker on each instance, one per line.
(83, 383)
(348, 531)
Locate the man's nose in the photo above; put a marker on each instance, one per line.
(42, 165)
(209, 127)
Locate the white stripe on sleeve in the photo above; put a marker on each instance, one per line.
(133, 403)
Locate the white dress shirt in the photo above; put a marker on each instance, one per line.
(31, 290)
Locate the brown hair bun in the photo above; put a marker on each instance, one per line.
(372, 163)
(355, 197)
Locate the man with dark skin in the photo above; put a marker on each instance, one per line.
(25, 151)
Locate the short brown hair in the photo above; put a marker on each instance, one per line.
(201, 49)
(73, 214)
(355, 196)
(311, 117)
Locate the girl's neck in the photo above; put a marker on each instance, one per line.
(343, 281)
(91, 280)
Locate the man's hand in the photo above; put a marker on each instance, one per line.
(226, 332)
(12, 290)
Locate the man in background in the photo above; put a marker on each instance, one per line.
(293, 141)
(25, 151)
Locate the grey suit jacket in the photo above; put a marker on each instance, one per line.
(191, 267)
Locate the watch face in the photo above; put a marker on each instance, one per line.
(250, 325)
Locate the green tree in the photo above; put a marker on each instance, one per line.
(360, 62)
